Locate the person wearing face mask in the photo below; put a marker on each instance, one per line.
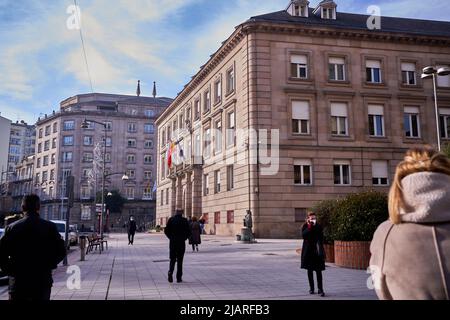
(313, 254)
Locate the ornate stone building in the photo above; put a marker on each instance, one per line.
(347, 101)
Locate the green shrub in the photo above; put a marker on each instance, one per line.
(357, 216)
(324, 210)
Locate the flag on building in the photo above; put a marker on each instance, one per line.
(170, 154)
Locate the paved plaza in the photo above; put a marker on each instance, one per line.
(222, 270)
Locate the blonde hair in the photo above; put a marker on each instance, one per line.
(416, 160)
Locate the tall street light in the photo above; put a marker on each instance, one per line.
(434, 72)
(86, 125)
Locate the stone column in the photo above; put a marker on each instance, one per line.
(179, 193)
(188, 199)
(173, 198)
(197, 181)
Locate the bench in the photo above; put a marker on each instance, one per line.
(95, 242)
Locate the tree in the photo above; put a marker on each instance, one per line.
(446, 149)
(114, 203)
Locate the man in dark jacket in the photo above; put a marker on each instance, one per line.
(178, 231)
(131, 230)
(313, 256)
(29, 250)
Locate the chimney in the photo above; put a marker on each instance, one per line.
(138, 90)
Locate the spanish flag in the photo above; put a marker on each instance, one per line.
(170, 153)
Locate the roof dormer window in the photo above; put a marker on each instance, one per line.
(299, 8)
(326, 9)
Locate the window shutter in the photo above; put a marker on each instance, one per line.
(300, 110)
(339, 110)
(379, 169)
(373, 64)
(302, 162)
(335, 60)
(444, 111)
(376, 110)
(443, 81)
(406, 66)
(299, 59)
(412, 110)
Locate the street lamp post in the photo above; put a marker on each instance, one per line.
(434, 72)
(85, 125)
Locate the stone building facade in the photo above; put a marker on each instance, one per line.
(347, 102)
(64, 148)
(22, 142)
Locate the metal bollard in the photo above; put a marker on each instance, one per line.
(82, 248)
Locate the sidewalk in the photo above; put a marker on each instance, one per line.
(223, 270)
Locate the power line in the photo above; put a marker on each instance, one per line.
(83, 46)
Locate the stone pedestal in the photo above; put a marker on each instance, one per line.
(247, 236)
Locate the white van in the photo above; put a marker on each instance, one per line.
(61, 226)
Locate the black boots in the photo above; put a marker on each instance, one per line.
(170, 277)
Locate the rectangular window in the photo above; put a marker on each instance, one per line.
(85, 192)
(206, 101)
(131, 158)
(336, 68)
(69, 125)
(217, 179)
(132, 127)
(48, 130)
(205, 185)
(409, 74)
(129, 193)
(86, 172)
(108, 125)
(207, 145)
(107, 157)
(148, 144)
(230, 177)
(54, 143)
(216, 217)
(38, 177)
(131, 174)
(303, 172)
(197, 109)
(342, 174)
(52, 174)
(44, 176)
(67, 156)
(443, 81)
(108, 142)
(197, 149)
(162, 197)
(148, 159)
(218, 91)
(299, 66)
(373, 71)
(300, 214)
(412, 122)
(147, 193)
(149, 113)
(167, 196)
(444, 122)
(55, 127)
(231, 129)
(68, 141)
(218, 137)
(38, 163)
(131, 143)
(45, 161)
(339, 119)
(40, 133)
(88, 141)
(300, 117)
(230, 217)
(88, 157)
(53, 160)
(148, 175)
(380, 173)
(376, 120)
(230, 81)
(149, 128)
(39, 148)
(47, 145)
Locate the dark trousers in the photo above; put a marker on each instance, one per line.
(194, 246)
(130, 237)
(177, 251)
(34, 294)
(319, 280)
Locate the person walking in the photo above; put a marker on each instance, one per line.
(29, 250)
(131, 230)
(177, 231)
(411, 251)
(195, 238)
(313, 254)
(202, 222)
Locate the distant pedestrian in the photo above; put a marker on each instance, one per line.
(29, 250)
(178, 231)
(202, 222)
(195, 238)
(411, 252)
(313, 254)
(131, 230)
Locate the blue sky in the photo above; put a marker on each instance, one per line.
(166, 41)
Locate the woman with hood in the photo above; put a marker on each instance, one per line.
(411, 252)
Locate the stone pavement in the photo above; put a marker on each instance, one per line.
(222, 270)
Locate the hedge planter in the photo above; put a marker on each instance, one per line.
(352, 254)
(329, 252)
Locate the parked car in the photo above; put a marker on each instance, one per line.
(61, 226)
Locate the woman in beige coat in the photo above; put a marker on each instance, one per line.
(411, 252)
